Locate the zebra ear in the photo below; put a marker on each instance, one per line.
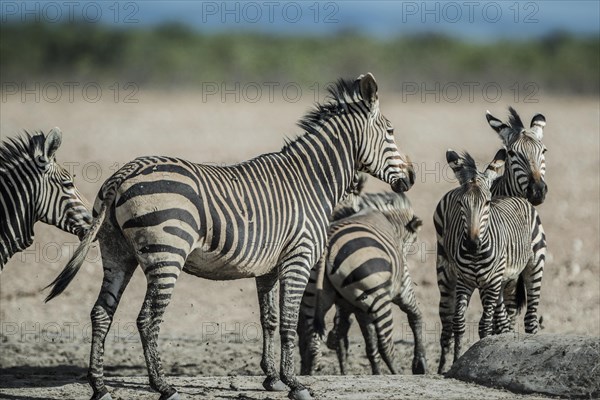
(457, 163)
(538, 123)
(500, 127)
(415, 224)
(493, 169)
(52, 143)
(368, 89)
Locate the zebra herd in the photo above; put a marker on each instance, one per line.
(296, 219)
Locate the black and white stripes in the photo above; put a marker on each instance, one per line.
(363, 271)
(33, 187)
(483, 242)
(265, 218)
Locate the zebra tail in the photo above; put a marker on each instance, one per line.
(319, 319)
(60, 283)
(521, 294)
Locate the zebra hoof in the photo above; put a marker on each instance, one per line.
(174, 396)
(300, 394)
(419, 366)
(274, 385)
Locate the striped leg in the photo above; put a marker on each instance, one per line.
(382, 312)
(161, 277)
(489, 300)
(532, 277)
(310, 341)
(293, 279)
(506, 308)
(463, 296)
(370, 334)
(447, 287)
(117, 273)
(267, 287)
(408, 304)
(339, 336)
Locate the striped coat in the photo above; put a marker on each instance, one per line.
(265, 218)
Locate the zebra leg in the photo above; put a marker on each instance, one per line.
(408, 304)
(384, 324)
(370, 335)
(266, 286)
(310, 340)
(489, 300)
(342, 326)
(532, 278)
(463, 296)
(292, 282)
(447, 287)
(506, 309)
(118, 269)
(161, 277)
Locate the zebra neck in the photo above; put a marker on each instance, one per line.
(17, 216)
(507, 184)
(326, 162)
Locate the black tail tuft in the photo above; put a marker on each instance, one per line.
(521, 294)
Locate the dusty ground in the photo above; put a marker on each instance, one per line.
(212, 328)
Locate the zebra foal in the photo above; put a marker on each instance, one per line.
(34, 187)
(524, 176)
(363, 271)
(487, 242)
(265, 218)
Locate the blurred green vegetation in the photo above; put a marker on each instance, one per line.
(174, 55)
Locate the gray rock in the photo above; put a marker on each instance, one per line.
(550, 364)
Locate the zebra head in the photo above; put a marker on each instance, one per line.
(377, 152)
(526, 163)
(475, 194)
(59, 202)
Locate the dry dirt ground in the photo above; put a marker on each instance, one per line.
(212, 328)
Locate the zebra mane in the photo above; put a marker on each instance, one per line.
(24, 147)
(340, 94)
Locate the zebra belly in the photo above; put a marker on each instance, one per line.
(217, 266)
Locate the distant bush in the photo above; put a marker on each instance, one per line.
(174, 55)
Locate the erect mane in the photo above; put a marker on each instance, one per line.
(340, 95)
(21, 148)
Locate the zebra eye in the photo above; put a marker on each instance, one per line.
(390, 130)
(544, 151)
(68, 184)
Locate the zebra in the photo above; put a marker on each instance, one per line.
(486, 240)
(366, 266)
(265, 218)
(525, 169)
(34, 187)
(524, 176)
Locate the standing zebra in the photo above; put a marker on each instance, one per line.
(265, 218)
(33, 187)
(486, 241)
(366, 268)
(523, 176)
